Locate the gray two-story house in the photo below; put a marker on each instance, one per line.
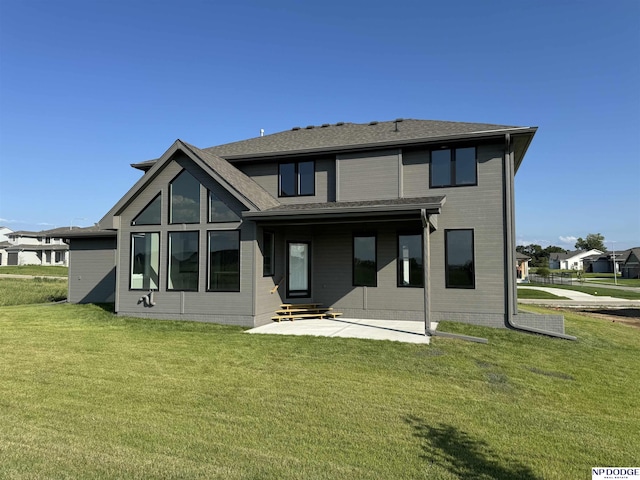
(388, 220)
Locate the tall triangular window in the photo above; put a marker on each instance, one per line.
(219, 211)
(151, 214)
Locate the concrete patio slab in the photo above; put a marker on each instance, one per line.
(398, 331)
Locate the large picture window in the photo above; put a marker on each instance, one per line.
(460, 271)
(410, 265)
(296, 179)
(184, 205)
(183, 261)
(365, 267)
(224, 261)
(145, 261)
(453, 167)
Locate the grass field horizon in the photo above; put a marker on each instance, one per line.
(90, 394)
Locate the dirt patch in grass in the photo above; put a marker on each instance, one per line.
(627, 316)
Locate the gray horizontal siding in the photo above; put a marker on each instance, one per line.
(92, 270)
(368, 176)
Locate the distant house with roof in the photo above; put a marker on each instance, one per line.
(604, 262)
(401, 220)
(631, 265)
(570, 260)
(522, 267)
(4, 243)
(45, 247)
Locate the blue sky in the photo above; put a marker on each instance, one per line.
(88, 87)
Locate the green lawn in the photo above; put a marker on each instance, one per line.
(625, 282)
(25, 291)
(86, 394)
(39, 270)
(594, 290)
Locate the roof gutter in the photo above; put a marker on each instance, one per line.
(511, 296)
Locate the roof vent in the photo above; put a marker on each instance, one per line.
(309, 127)
(375, 122)
(397, 121)
(339, 124)
(295, 128)
(325, 125)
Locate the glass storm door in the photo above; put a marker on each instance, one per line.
(298, 269)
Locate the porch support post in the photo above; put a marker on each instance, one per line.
(426, 270)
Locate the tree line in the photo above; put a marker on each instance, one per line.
(540, 256)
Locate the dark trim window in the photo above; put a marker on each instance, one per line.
(184, 199)
(145, 261)
(410, 260)
(182, 273)
(453, 167)
(365, 263)
(459, 259)
(151, 214)
(219, 212)
(224, 261)
(268, 254)
(297, 179)
(299, 269)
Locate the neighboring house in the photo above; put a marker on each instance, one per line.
(570, 260)
(37, 248)
(405, 220)
(4, 243)
(522, 267)
(631, 265)
(603, 263)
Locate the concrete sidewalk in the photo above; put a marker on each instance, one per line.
(399, 331)
(577, 299)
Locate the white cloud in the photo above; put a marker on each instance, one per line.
(568, 239)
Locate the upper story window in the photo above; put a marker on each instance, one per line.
(150, 215)
(453, 167)
(219, 212)
(297, 179)
(184, 205)
(460, 270)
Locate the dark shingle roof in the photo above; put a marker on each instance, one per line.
(240, 181)
(94, 231)
(53, 232)
(343, 136)
(353, 209)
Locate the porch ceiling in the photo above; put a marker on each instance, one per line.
(399, 207)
